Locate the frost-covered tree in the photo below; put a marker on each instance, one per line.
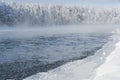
(37, 14)
(7, 14)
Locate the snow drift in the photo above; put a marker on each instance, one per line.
(110, 69)
(38, 14)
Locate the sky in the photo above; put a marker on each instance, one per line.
(72, 2)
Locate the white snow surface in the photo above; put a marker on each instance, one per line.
(110, 70)
(72, 71)
(102, 66)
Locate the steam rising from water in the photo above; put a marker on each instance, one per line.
(41, 21)
(27, 32)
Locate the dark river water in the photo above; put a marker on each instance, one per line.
(23, 57)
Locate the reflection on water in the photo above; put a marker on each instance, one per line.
(21, 57)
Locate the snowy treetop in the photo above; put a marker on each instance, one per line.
(38, 14)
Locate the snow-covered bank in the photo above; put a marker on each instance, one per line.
(87, 69)
(77, 70)
(110, 70)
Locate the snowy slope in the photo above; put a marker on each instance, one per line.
(110, 70)
(77, 70)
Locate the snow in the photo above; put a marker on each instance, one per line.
(110, 70)
(77, 70)
(102, 66)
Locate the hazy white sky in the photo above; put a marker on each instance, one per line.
(72, 2)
